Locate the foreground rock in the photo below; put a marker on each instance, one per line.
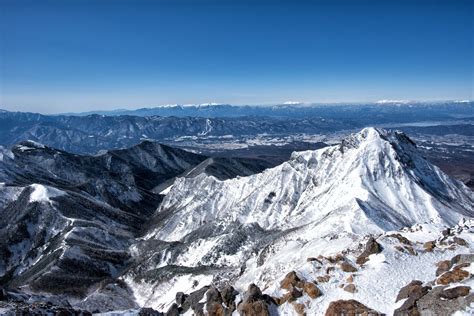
(412, 293)
(372, 247)
(255, 303)
(442, 299)
(349, 307)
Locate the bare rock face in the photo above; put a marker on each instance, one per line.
(254, 303)
(214, 302)
(192, 301)
(429, 245)
(300, 309)
(351, 288)
(291, 280)
(347, 267)
(180, 298)
(437, 303)
(349, 307)
(323, 279)
(412, 292)
(372, 247)
(401, 239)
(406, 291)
(173, 310)
(443, 266)
(455, 292)
(228, 294)
(457, 274)
(291, 296)
(312, 290)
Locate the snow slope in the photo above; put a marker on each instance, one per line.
(256, 229)
(373, 182)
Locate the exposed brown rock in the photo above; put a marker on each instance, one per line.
(257, 308)
(254, 303)
(350, 278)
(401, 239)
(455, 292)
(323, 279)
(300, 309)
(443, 266)
(291, 280)
(460, 241)
(411, 251)
(335, 259)
(351, 288)
(455, 275)
(349, 308)
(214, 302)
(462, 266)
(329, 270)
(215, 309)
(347, 267)
(412, 292)
(312, 290)
(400, 248)
(429, 245)
(291, 296)
(408, 289)
(371, 247)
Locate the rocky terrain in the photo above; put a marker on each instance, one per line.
(366, 226)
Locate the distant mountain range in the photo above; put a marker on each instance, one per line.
(400, 110)
(89, 134)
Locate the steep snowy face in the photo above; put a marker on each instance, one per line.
(373, 181)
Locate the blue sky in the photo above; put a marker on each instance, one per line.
(60, 56)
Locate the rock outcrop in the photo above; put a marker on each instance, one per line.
(349, 307)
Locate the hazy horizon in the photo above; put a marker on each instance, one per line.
(286, 103)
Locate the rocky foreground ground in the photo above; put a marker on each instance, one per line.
(449, 292)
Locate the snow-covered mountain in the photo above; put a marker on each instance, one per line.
(326, 225)
(373, 181)
(255, 229)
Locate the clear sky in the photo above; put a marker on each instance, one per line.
(70, 55)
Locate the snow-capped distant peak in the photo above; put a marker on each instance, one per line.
(42, 193)
(388, 101)
(292, 103)
(168, 106)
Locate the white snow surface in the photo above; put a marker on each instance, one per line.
(373, 182)
(43, 193)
